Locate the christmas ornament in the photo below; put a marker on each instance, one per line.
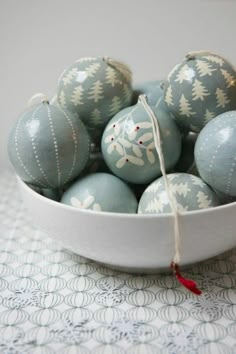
(152, 89)
(95, 88)
(53, 194)
(95, 163)
(48, 146)
(101, 192)
(128, 144)
(186, 161)
(224, 198)
(198, 89)
(215, 153)
(190, 193)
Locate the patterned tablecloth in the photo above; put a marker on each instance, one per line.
(55, 301)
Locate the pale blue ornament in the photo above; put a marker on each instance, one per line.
(48, 146)
(153, 90)
(198, 89)
(96, 89)
(215, 153)
(101, 192)
(128, 144)
(190, 192)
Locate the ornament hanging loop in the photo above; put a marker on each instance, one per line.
(37, 98)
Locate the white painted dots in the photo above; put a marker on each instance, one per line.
(18, 152)
(75, 144)
(55, 146)
(229, 182)
(35, 150)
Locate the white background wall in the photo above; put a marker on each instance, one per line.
(39, 38)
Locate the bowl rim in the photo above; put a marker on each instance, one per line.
(205, 211)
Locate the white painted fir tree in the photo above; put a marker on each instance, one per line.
(199, 91)
(115, 106)
(111, 77)
(62, 99)
(185, 107)
(67, 79)
(204, 68)
(96, 117)
(77, 96)
(208, 116)
(127, 93)
(221, 97)
(215, 59)
(96, 92)
(92, 69)
(230, 79)
(203, 201)
(181, 76)
(168, 96)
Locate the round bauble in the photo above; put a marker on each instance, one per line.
(154, 91)
(128, 144)
(53, 194)
(101, 192)
(95, 163)
(191, 193)
(48, 146)
(198, 89)
(96, 88)
(215, 153)
(186, 161)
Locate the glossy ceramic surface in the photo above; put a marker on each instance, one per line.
(153, 90)
(190, 192)
(198, 89)
(128, 144)
(215, 153)
(133, 242)
(101, 192)
(186, 161)
(96, 88)
(48, 146)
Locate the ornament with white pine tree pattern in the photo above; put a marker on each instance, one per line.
(190, 192)
(215, 153)
(96, 89)
(198, 89)
(48, 146)
(128, 144)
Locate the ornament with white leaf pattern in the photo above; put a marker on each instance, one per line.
(101, 192)
(191, 193)
(198, 89)
(128, 144)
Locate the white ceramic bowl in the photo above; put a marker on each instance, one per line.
(133, 242)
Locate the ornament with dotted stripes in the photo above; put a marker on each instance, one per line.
(48, 146)
(215, 153)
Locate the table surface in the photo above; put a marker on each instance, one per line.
(55, 301)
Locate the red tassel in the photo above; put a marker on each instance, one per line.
(187, 283)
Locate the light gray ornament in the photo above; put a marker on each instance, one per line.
(96, 88)
(199, 88)
(215, 153)
(101, 192)
(154, 91)
(190, 192)
(48, 146)
(128, 144)
(186, 161)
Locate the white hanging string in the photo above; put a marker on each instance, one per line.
(172, 200)
(37, 98)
